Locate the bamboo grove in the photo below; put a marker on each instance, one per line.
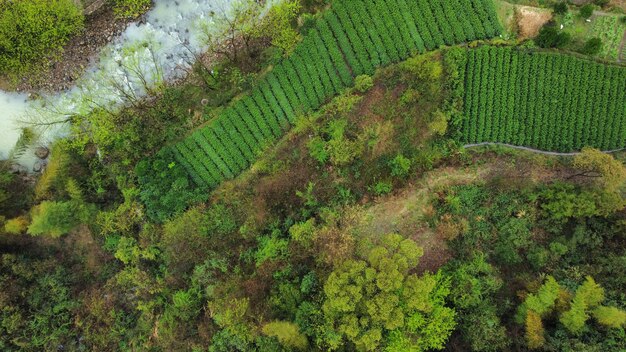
(354, 37)
(543, 100)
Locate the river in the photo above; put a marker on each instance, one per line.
(159, 49)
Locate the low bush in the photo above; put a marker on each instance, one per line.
(33, 30)
(130, 8)
(363, 83)
(550, 37)
(592, 46)
(560, 8)
(586, 11)
(165, 186)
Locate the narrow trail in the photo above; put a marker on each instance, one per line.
(467, 146)
(621, 53)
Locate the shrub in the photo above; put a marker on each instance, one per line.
(16, 226)
(400, 166)
(592, 46)
(382, 188)
(303, 232)
(586, 11)
(165, 186)
(287, 333)
(130, 8)
(560, 8)
(271, 248)
(363, 83)
(56, 219)
(439, 123)
(31, 30)
(277, 25)
(550, 37)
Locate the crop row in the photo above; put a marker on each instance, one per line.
(543, 100)
(352, 38)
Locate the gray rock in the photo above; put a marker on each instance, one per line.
(18, 169)
(38, 166)
(42, 152)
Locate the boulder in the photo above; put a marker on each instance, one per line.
(18, 169)
(42, 152)
(91, 6)
(38, 166)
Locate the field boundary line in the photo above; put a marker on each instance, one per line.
(538, 151)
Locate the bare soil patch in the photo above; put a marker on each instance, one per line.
(406, 214)
(619, 3)
(530, 20)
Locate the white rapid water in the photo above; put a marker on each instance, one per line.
(11, 106)
(146, 55)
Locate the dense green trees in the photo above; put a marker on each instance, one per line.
(32, 30)
(41, 316)
(573, 314)
(551, 37)
(506, 236)
(166, 187)
(376, 301)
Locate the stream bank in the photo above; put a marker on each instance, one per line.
(158, 49)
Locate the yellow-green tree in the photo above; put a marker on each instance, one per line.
(534, 330)
(610, 316)
(610, 172)
(287, 333)
(588, 296)
(277, 25)
(552, 301)
(537, 306)
(374, 301)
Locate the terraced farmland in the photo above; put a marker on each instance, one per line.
(543, 100)
(352, 38)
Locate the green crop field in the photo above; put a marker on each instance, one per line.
(543, 100)
(352, 38)
(611, 30)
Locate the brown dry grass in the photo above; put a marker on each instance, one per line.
(530, 20)
(405, 213)
(619, 3)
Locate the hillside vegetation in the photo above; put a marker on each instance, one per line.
(350, 39)
(306, 187)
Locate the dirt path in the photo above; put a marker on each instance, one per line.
(405, 213)
(532, 149)
(620, 55)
